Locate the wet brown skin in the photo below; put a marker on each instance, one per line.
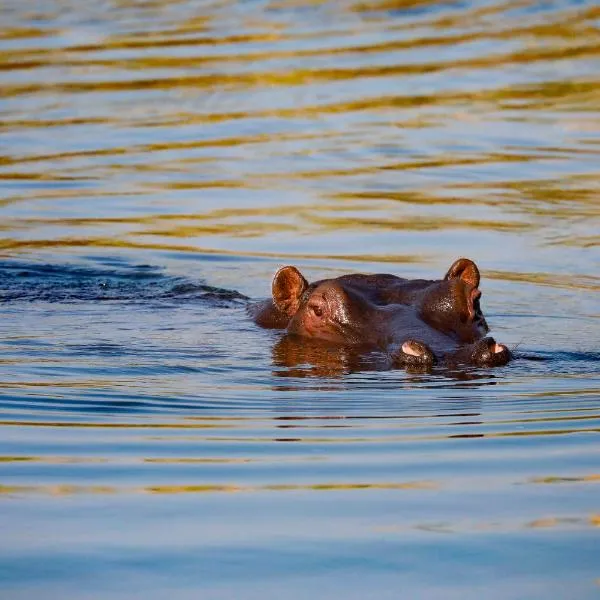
(417, 322)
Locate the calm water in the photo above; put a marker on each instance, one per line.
(158, 162)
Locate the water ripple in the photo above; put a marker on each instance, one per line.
(158, 162)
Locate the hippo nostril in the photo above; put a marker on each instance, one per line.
(414, 355)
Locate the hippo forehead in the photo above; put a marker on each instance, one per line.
(345, 302)
(308, 292)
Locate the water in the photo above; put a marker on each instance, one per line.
(158, 162)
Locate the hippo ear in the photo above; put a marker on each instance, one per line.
(465, 270)
(288, 287)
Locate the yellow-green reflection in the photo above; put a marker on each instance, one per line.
(66, 489)
(592, 478)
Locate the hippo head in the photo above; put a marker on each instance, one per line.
(328, 309)
(452, 305)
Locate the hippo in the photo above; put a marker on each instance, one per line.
(418, 323)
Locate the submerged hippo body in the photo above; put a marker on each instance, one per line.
(418, 322)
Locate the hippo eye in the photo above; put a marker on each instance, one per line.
(317, 310)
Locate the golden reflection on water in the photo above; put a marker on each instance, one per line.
(386, 121)
(593, 478)
(68, 489)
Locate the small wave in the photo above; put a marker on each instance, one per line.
(32, 282)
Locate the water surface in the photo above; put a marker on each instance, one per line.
(158, 162)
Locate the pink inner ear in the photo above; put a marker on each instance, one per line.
(288, 286)
(471, 276)
(465, 270)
